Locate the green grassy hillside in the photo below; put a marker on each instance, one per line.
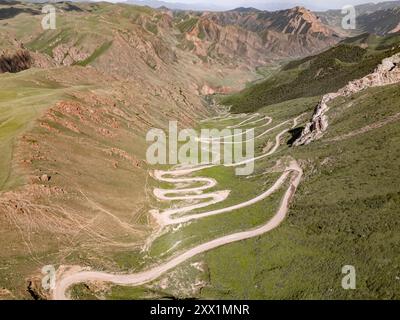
(317, 75)
(75, 189)
(30, 93)
(344, 213)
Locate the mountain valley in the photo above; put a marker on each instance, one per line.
(77, 192)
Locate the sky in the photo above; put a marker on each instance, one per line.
(270, 4)
(260, 3)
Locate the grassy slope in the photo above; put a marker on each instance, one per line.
(325, 229)
(344, 213)
(326, 72)
(346, 209)
(26, 96)
(210, 228)
(22, 99)
(90, 28)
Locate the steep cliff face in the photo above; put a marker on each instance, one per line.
(15, 61)
(382, 18)
(388, 72)
(381, 22)
(255, 36)
(297, 20)
(300, 21)
(229, 44)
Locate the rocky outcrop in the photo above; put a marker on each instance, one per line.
(42, 61)
(388, 72)
(207, 90)
(299, 20)
(68, 54)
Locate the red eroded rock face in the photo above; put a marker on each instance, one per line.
(301, 21)
(257, 37)
(297, 20)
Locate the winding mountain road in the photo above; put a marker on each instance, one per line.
(165, 218)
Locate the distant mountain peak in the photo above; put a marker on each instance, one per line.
(299, 20)
(245, 9)
(299, 9)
